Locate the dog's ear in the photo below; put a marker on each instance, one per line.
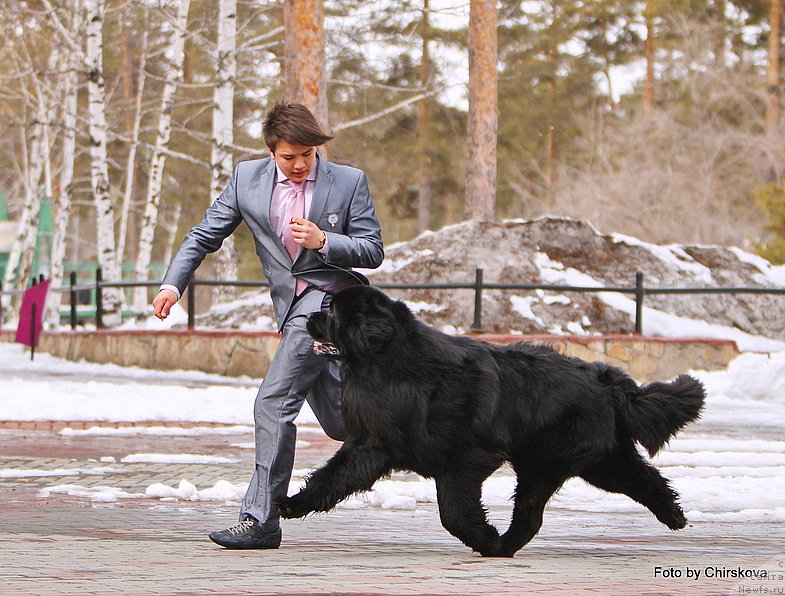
(371, 333)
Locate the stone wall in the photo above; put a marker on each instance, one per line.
(220, 352)
(645, 358)
(235, 353)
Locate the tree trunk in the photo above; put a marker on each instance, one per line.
(24, 242)
(127, 73)
(424, 139)
(130, 167)
(648, 87)
(171, 230)
(648, 82)
(155, 182)
(64, 198)
(223, 135)
(720, 33)
(21, 257)
(482, 117)
(607, 74)
(99, 170)
(550, 127)
(550, 164)
(305, 80)
(773, 71)
(63, 202)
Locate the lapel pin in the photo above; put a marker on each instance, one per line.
(332, 219)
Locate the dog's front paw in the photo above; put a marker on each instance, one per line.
(294, 506)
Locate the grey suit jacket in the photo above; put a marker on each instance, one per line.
(341, 206)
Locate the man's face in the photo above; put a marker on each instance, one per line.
(295, 161)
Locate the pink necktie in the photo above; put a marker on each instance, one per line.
(296, 208)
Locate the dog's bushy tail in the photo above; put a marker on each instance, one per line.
(657, 411)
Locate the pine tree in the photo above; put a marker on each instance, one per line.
(304, 56)
(483, 119)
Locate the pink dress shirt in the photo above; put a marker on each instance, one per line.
(279, 202)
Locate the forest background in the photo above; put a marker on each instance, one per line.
(655, 118)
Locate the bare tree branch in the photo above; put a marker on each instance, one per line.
(64, 34)
(383, 113)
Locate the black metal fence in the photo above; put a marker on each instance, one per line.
(638, 290)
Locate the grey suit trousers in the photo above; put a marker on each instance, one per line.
(296, 373)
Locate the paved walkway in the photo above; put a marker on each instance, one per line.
(65, 545)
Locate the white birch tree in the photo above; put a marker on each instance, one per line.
(64, 199)
(27, 228)
(223, 137)
(171, 230)
(99, 170)
(48, 92)
(130, 167)
(173, 76)
(20, 259)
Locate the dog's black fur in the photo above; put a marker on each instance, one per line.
(455, 409)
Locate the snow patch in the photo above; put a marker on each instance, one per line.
(673, 255)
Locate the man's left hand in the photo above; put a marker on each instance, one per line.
(306, 233)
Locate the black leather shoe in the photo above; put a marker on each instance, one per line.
(246, 534)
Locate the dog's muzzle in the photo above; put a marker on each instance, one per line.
(325, 348)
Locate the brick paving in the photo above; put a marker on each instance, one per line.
(58, 425)
(67, 545)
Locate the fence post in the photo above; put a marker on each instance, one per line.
(73, 300)
(477, 326)
(99, 299)
(32, 331)
(191, 304)
(639, 294)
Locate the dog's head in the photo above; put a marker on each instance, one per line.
(360, 322)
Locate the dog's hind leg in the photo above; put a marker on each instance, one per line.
(462, 513)
(626, 472)
(532, 493)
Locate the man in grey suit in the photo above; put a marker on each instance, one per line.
(312, 221)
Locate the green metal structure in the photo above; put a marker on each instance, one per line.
(43, 239)
(85, 270)
(3, 218)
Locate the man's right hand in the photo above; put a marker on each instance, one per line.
(163, 303)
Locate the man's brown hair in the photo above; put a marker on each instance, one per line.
(293, 123)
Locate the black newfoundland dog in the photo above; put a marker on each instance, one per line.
(455, 409)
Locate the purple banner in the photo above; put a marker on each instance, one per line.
(34, 296)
